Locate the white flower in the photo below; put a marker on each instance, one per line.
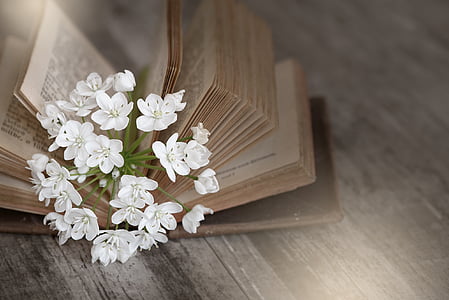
(111, 245)
(113, 113)
(84, 222)
(52, 121)
(137, 187)
(82, 168)
(158, 114)
(200, 134)
(58, 177)
(124, 81)
(45, 193)
(177, 98)
(57, 223)
(156, 215)
(171, 156)
(93, 85)
(191, 220)
(196, 155)
(129, 210)
(207, 182)
(74, 136)
(105, 153)
(37, 163)
(81, 105)
(146, 240)
(66, 197)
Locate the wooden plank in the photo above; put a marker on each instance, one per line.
(384, 67)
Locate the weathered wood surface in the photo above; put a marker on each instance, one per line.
(384, 68)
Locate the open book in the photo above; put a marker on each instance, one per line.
(261, 139)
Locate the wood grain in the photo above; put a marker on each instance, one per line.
(384, 67)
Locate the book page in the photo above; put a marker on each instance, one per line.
(20, 134)
(61, 56)
(277, 150)
(158, 63)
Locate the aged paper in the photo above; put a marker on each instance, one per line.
(279, 149)
(61, 56)
(20, 134)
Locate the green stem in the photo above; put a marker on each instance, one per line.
(83, 119)
(191, 176)
(173, 198)
(88, 195)
(139, 173)
(101, 194)
(188, 138)
(141, 157)
(114, 189)
(149, 150)
(87, 184)
(126, 226)
(108, 221)
(149, 166)
(137, 142)
(109, 134)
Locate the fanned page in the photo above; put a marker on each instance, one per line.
(61, 56)
(279, 163)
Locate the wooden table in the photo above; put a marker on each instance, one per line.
(384, 68)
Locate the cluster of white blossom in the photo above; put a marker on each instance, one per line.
(110, 162)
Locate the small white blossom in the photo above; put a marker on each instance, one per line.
(93, 85)
(37, 163)
(191, 220)
(45, 193)
(111, 245)
(81, 105)
(171, 156)
(200, 134)
(129, 210)
(156, 215)
(124, 81)
(158, 114)
(52, 121)
(105, 153)
(196, 155)
(57, 223)
(82, 168)
(177, 98)
(84, 222)
(137, 187)
(58, 177)
(146, 240)
(113, 112)
(74, 136)
(66, 197)
(207, 182)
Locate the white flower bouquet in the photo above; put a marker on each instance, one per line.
(114, 164)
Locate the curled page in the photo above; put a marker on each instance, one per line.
(60, 57)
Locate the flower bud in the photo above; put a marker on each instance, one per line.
(115, 173)
(103, 182)
(207, 182)
(124, 81)
(200, 134)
